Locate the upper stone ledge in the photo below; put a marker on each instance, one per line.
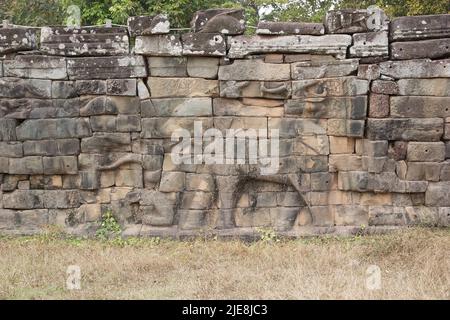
(356, 21)
(225, 21)
(148, 25)
(284, 28)
(85, 41)
(420, 27)
(336, 45)
(18, 39)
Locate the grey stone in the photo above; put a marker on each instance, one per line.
(147, 25)
(430, 129)
(142, 90)
(254, 70)
(329, 108)
(4, 165)
(421, 49)
(192, 219)
(424, 87)
(60, 165)
(164, 127)
(336, 45)
(426, 151)
(7, 219)
(351, 215)
(420, 27)
(369, 71)
(438, 194)
(128, 123)
(167, 66)
(121, 87)
(384, 87)
(200, 182)
(159, 45)
(345, 128)
(424, 68)
(182, 87)
(25, 88)
(293, 127)
(53, 129)
(172, 181)
(106, 142)
(387, 215)
(36, 66)
(117, 67)
(60, 147)
(64, 89)
(163, 206)
(204, 44)
(320, 88)
(371, 44)
(255, 89)
(103, 123)
(8, 129)
(375, 148)
(26, 165)
(196, 200)
(429, 171)
(86, 87)
(353, 21)
(226, 21)
(85, 41)
(420, 107)
(203, 67)
(323, 69)
(176, 107)
(234, 107)
(379, 105)
(18, 39)
(281, 28)
(11, 149)
(98, 106)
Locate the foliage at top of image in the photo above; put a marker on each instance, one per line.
(53, 12)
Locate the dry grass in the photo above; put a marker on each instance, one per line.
(415, 264)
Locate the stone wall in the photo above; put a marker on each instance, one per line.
(362, 105)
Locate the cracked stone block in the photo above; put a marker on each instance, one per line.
(84, 41)
(420, 27)
(282, 28)
(225, 21)
(116, 67)
(204, 44)
(18, 39)
(159, 45)
(148, 25)
(336, 45)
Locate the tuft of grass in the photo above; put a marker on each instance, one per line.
(414, 264)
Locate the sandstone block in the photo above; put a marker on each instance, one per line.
(85, 41)
(11, 149)
(345, 162)
(341, 145)
(430, 129)
(226, 21)
(159, 45)
(371, 44)
(351, 215)
(148, 25)
(424, 68)
(384, 87)
(167, 66)
(348, 86)
(203, 67)
(323, 69)
(60, 165)
(345, 128)
(164, 127)
(172, 181)
(182, 87)
(121, 87)
(378, 105)
(426, 151)
(353, 21)
(200, 182)
(292, 127)
(255, 89)
(438, 194)
(282, 28)
(204, 44)
(420, 27)
(176, 107)
(387, 215)
(106, 142)
(26, 165)
(18, 39)
(234, 107)
(41, 129)
(420, 107)
(429, 171)
(117, 67)
(421, 49)
(424, 87)
(25, 88)
(192, 219)
(369, 71)
(36, 66)
(254, 70)
(336, 45)
(128, 123)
